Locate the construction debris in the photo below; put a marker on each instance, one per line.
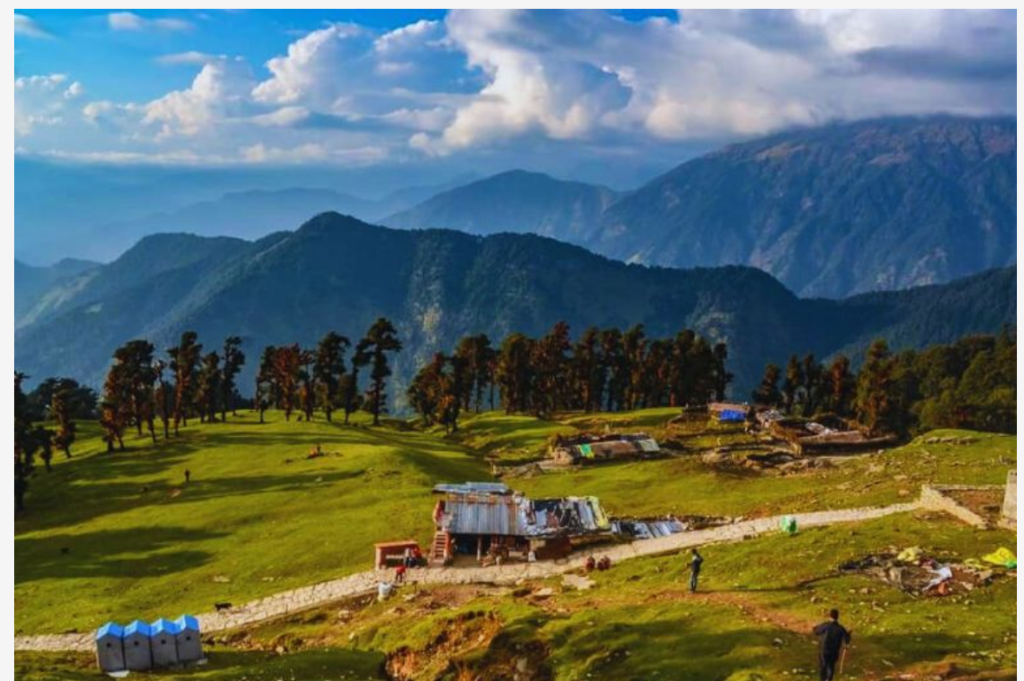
(915, 573)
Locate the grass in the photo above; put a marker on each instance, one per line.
(225, 665)
(751, 619)
(259, 517)
(119, 536)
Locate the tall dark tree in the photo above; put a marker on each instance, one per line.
(877, 399)
(616, 369)
(722, 376)
(515, 372)
(588, 371)
(234, 360)
(29, 438)
(306, 385)
(135, 361)
(266, 381)
(61, 411)
(208, 387)
(634, 351)
(163, 396)
(185, 359)
(792, 386)
(842, 386)
(380, 340)
(551, 370)
(287, 365)
(767, 392)
(328, 371)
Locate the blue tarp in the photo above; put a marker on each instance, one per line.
(731, 416)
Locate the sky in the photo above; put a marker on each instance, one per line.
(458, 90)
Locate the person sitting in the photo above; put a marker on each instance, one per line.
(590, 564)
(400, 574)
(604, 564)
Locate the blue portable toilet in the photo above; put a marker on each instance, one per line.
(138, 654)
(190, 646)
(163, 642)
(110, 647)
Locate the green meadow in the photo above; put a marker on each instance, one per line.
(120, 535)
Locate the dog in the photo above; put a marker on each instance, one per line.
(222, 606)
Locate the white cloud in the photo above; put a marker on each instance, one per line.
(129, 21)
(29, 27)
(578, 75)
(191, 57)
(312, 153)
(42, 101)
(221, 88)
(316, 67)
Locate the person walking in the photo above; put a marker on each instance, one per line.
(832, 636)
(696, 561)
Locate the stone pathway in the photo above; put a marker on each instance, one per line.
(365, 583)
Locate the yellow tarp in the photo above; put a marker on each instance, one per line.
(1003, 556)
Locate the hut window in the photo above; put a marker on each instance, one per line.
(109, 645)
(136, 644)
(188, 638)
(163, 641)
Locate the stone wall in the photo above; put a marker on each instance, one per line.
(1009, 518)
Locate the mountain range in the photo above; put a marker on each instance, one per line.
(829, 211)
(338, 273)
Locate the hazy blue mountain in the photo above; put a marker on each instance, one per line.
(31, 283)
(515, 201)
(835, 210)
(338, 273)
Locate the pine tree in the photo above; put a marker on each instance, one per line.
(380, 340)
(60, 411)
(234, 360)
(328, 371)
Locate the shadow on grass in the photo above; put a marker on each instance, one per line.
(130, 553)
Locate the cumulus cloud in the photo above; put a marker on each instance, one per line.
(29, 27)
(480, 80)
(316, 68)
(573, 75)
(42, 101)
(129, 21)
(220, 89)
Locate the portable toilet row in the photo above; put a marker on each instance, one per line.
(141, 646)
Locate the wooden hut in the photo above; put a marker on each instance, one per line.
(110, 647)
(137, 651)
(163, 642)
(190, 646)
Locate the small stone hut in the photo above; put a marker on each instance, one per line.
(110, 647)
(163, 642)
(138, 654)
(190, 647)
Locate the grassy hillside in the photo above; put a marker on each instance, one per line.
(257, 513)
(749, 622)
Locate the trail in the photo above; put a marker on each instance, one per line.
(308, 597)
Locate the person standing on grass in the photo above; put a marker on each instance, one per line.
(696, 561)
(832, 637)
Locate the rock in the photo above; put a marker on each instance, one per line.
(546, 592)
(522, 664)
(778, 642)
(220, 579)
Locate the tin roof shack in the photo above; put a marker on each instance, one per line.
(110, 647)
(729, 412)
(163, 643)
(589, 448)
(187, 641)
(138, 655)
(499, 522)
(810, 438)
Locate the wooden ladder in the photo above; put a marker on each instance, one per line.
(439, 547)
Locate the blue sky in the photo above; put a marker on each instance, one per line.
(547, 90)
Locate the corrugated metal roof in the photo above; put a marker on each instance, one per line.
(483, 514)
(110, 629)
(520, 517)
(472, 488)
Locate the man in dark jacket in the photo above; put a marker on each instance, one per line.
(696, 560)
(832, 637)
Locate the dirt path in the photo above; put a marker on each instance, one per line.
(315, 595)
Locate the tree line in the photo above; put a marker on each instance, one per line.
(967, 384)
(602, 370)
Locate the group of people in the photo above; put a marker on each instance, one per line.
(832, 636)
(413, 558)
(604, 563)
